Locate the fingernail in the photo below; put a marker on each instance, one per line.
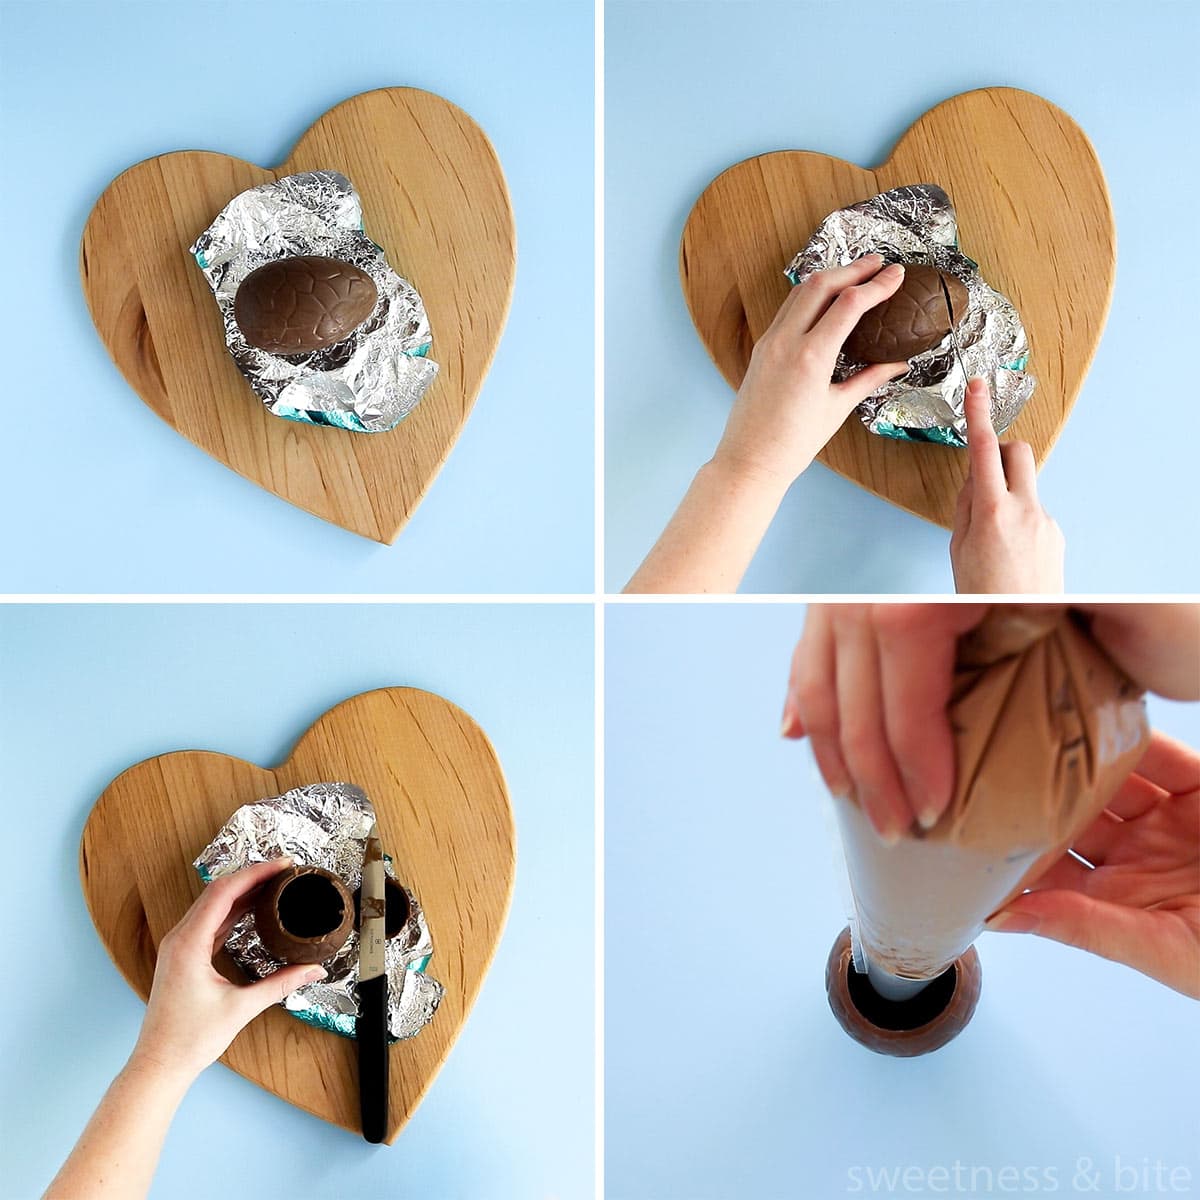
(790, 726)
(873, 257)
(840, 788)
(887, 833)
(1012, 922)
(893, 272)
(316, 974)
(927, 818)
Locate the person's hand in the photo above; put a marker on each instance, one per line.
(194, 1012)
(787, 407)
(869, 686)
(1140, 905)
(1156, 645)
(1003, 539)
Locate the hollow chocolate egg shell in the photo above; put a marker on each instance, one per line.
(304, 915)
(903, 1029)
(396, 907)
(915, 319)
(304, 303)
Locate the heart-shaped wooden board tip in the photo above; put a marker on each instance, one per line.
(433, 197)
(1033, 211)
(444, 817)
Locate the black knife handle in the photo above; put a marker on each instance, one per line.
(373, 1057)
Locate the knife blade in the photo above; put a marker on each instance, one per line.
(371, 1027)
(953, 321)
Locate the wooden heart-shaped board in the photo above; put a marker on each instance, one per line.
(1033, 211)
(433, 197)
(444, 817)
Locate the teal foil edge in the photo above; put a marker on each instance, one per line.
(336, 420)
(940, 437)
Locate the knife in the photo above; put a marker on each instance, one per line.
(371, 1028)
(953, 319)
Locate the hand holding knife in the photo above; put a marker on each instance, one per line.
(372, 994)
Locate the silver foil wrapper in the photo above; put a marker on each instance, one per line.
(325, 825)
(917, 224)
(368, 382)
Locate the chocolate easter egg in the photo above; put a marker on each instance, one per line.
(396, 907)
(297, 305)
(907, 1028)
(304, 915)
(910, 322)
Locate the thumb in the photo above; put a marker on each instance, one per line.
(1114, 931)
(862, 383)
(281, 984)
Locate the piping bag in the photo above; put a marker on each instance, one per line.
(1046, 728)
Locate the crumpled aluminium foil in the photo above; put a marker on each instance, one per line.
(917, 224)
(325, 825)
(368, 382)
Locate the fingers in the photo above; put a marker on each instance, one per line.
(995, 468)
(1137, 795)
(865, 747)
(1163, 949)
(809, 300)
(206, 917)
(1020, 471)
(238, 911)
(983, 447)
(869, 686)
(840, 318)
(1170, 765)
(862, 383)
(1096, 841)
(793, 725)
(1158, 645)
(258, 997)
(916, 659)
(243, 905)
(1067, 872)
(815, 696)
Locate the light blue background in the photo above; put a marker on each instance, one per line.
(692, 88)
(100, 494)
(726, 1075)
(86, 692)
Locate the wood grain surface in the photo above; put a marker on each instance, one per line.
(433, 197)
(443, 815)
(1033, 211)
